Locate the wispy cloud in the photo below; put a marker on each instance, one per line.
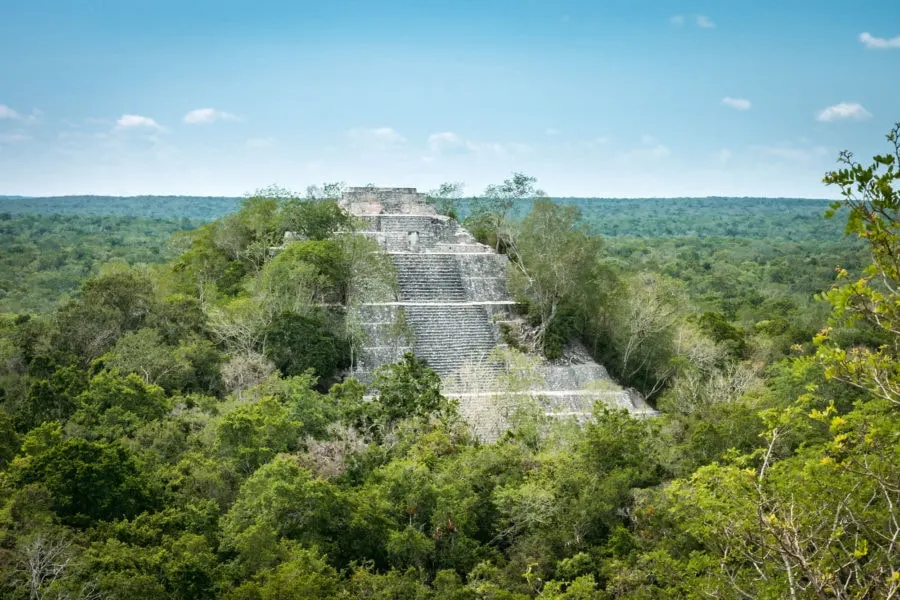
(381, 134)
(724, 155)
(499, 149)
(876, 43)
(376, 139)
(126, 122)
(204, 116)
(701, 21)
(551, 131)
(439, 142)
(8, 113)
(844, 111)
(736, 103)
(448, 143)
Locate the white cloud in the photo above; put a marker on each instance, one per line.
(137, 122)
(377, 136)
(736, 103)
(387, 134)
(659, 151)
(551, 131)
(260, 142)
(877, 43)
(677, 20)
(203, 116)
(36, 115)
(724, 155)
(438, 142)
(705, 22)
(8, 113)
(450, 144)
(844, 110)
(497, 149)
(487, 148)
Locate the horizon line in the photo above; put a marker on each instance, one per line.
(552, 197)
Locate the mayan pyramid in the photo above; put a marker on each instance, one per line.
(451, 301)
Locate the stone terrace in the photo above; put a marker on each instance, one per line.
(451, 298)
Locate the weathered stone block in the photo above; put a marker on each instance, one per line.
(452, 292)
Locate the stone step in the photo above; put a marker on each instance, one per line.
(448, 337)
(431, 277)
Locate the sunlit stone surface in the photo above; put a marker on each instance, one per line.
(451, 298)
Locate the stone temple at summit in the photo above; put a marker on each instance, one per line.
(451, 303)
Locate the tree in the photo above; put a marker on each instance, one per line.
(555, 258)
(873, 200)
(641, 331)
(109, 390)
(445, 198)
(177, 317)
(490, 213)
(296, 343)
(327, 191)
(89, 481)
(245, 370)
(253, 434)
(368, 273)
(9, 439)
(144, 353)
(314, 219)
(301, 278)
(116, 301)
(282, 499)
(46, 563)
(247, 235)
(53, 398)
(303, 576)
(408, 388)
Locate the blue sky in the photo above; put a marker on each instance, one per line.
(593, 97)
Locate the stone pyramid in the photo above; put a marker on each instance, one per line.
(450, 303)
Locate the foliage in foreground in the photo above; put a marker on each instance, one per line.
(153, 444)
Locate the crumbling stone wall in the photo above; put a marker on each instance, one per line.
(452, 294)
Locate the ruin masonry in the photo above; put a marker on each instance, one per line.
(450, 302)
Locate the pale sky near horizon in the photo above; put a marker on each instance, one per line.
(616, 98)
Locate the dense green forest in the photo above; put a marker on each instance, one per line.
(49, 244)
(791, 219)
(198, 208)
(173, 428)
(43, 258)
